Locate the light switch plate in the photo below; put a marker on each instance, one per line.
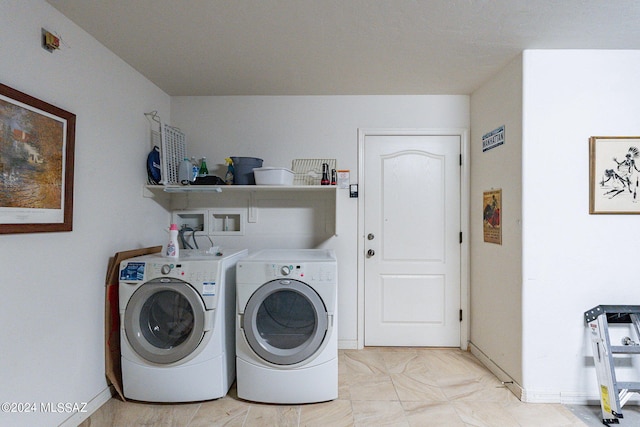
(353, 191)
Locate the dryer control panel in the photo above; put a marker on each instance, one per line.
(318, 272)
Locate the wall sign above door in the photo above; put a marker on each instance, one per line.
(493, 139)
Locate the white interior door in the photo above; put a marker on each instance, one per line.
(412, 231)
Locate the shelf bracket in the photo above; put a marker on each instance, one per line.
(253, 208)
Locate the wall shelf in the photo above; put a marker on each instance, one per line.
(189, 197)
(155, 190)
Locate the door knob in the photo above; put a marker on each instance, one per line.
(370, 253)
(370, 236)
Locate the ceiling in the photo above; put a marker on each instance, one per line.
(342, 47)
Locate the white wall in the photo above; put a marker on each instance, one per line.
(52, 284)
(572, 260)
(496, 270)
(280, 129)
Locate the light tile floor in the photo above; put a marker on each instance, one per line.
(377, 387)
(591, 415)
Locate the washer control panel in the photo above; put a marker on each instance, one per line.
(203, 276)
(209, 276)
(144, 271)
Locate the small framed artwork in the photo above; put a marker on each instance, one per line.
(36, 164)
(492, 216)
(614, 174)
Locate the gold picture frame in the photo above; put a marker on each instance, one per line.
(36, 164)
(614, 175)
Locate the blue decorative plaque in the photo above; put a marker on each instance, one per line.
(493, 139)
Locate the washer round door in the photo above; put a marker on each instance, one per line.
(285, 322)
(164, 320)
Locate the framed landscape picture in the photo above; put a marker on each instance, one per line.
(614, 173)
(36, 164)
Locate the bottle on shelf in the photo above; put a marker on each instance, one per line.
(203, 168)
(195, 168)
(185, 172)
(228, 177)
(325, 174)
(173, 249)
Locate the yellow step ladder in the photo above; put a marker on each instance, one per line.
(613, 394)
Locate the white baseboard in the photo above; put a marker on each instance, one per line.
(541, 396)
(569, 398)
(508, 382)
(538, 396)
(563, 397)
(92, 406)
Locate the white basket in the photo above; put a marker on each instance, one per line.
(273, 176)
(172, 152)
(309, 171)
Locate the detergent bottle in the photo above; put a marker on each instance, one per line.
(228, 178)
(172, 247)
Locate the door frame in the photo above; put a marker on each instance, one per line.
(465, 187)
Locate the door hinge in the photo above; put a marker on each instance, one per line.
(461, 315)
(461, 237)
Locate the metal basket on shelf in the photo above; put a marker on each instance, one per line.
(309, 171)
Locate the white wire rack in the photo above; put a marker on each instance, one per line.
(172, 144)
(172, 152)
(309, 171)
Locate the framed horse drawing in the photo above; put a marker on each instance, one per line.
(614, 174)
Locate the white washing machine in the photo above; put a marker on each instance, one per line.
(286, 326)
(177, 326)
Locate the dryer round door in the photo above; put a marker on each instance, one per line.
(164, 320)
(285, 322)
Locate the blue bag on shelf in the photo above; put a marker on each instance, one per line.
(154, 175)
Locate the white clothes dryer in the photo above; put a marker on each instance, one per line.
(286, 326)
(177, 326)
